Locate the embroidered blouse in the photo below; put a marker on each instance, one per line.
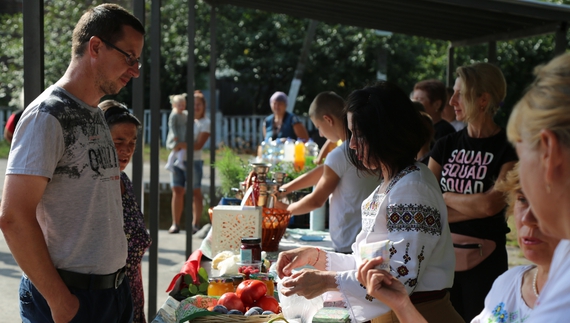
(412, 215)
(138, 240)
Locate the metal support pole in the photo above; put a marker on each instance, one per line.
(154, 192)
(213, 60)
(137, 104)
(33, 12)
(189, 198)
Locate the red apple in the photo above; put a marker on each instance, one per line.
(232, 302)
(251, 290)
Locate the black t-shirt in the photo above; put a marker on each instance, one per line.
(442, 129)
(472, 165)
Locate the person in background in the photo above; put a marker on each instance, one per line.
(467, 164)
(178, 177)
(405, 216)
(11, 125)
(177, 133)
(448, 113)
(176, 140)
(431, 94)
(61, 206)
(124, 129)
(282, 124)
(423, 154)
(539, 127)
(337, 180)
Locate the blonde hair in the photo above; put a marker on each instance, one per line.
(328, 103)
(176, 98)
(510, 186)
(481, 78)
(545, 105)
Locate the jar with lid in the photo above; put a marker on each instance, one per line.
(237, 279)
(250, 250)
(268, 280)
(218, 286)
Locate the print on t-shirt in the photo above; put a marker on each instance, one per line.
(465, 171)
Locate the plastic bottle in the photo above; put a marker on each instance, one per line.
(289, 150)
(312, 149)
(265, 151)
(278, 153)
(299, 162)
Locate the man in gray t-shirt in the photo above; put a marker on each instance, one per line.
(61, 208)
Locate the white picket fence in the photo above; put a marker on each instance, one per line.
(243, 132)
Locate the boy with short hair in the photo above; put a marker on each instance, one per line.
(337, 179)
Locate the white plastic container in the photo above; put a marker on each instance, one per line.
(289, 150)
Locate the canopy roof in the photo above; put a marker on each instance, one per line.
(463, 22)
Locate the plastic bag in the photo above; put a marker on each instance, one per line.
(297, 308)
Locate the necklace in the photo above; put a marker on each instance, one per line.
(534, 286)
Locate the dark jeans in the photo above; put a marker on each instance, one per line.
(96, 306)
(471, 287)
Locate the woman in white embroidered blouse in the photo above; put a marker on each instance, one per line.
(407, 211)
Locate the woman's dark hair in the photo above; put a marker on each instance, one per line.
(385, 120)
(116, 113)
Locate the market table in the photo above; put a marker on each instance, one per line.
(293, 238)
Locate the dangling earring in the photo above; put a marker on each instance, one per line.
(548, 188)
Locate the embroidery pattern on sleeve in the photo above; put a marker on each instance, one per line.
(412, 282)
(414, 217)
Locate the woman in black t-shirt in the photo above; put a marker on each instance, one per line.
(467, 164)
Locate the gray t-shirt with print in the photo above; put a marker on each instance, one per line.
(80, 212)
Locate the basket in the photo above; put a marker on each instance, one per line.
(273, 227)
(226, 318)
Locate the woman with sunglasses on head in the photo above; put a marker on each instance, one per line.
(124, 129)
(406, 214)
(467, 164)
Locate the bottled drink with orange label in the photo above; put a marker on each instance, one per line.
(299, 162)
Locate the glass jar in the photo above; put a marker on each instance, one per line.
(218, 286)
(268, 280)
(250, 250)
(237, 279)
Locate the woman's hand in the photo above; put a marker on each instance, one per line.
(309, 283)
(291, 259)
(381, 285)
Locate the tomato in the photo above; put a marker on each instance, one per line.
(251, 290)
(268, 303)
(232, 302)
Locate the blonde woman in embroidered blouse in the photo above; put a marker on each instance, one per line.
(407, 211)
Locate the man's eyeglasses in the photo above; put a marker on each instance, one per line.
(128, 57)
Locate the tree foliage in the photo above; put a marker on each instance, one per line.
(257, 54)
